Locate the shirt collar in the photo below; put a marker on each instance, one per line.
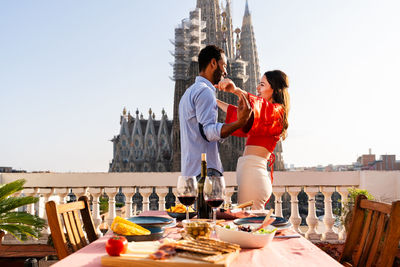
(209, 84)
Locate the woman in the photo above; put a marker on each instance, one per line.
(267, 124)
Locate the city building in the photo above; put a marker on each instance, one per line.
(158, 147)
(9, 169)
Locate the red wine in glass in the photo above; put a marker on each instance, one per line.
(215, 203)
(187, 190)
(187, 200)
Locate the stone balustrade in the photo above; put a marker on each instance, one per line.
(287, 185)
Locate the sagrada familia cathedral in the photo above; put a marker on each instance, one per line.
(149, 145)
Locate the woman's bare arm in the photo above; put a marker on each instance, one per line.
(222, 105)
(229, 86)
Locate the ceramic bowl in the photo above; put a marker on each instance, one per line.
(245, 239)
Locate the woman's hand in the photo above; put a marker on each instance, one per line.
(226, 85)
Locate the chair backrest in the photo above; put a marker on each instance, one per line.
(374, 234)
(70, 226)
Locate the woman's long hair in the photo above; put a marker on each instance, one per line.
(280, 83)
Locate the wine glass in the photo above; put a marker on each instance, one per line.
(214, 193)
(187, 191)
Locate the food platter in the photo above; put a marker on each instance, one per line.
(188, 252)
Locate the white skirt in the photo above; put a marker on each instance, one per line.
(253, 181)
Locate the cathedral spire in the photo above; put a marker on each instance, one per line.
(228, 38)
(246, 9)
(248, 52)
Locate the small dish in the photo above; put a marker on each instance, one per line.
(197, 228)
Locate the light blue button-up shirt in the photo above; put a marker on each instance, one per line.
(198, 105)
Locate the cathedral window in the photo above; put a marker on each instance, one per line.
(149, 143)
(123, 143)
(136, 143)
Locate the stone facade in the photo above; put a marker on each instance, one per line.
(207, 24)
(142, 145)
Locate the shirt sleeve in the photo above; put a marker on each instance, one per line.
(207, 113)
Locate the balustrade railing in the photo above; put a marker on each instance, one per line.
(288, 186)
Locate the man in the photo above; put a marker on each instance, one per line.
(198, 112)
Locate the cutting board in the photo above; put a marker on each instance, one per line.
(125, 260)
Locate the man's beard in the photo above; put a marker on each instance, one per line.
(217, 75)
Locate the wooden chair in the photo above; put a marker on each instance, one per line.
(72, 225)
(374, 234)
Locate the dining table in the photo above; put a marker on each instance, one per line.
(281, 252)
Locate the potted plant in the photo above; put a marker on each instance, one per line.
(348, 205)
(19, 224)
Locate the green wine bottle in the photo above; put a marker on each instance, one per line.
(203, 210)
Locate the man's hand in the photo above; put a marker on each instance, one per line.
(244, 109)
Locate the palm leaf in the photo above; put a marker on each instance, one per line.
(21, 232)
(10, 188)
(22, 218)
(19, 224)
(11, 203)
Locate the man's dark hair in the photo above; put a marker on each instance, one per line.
(207, 53)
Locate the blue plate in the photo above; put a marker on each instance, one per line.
(279, 221)
(156, 234)
(154, 221)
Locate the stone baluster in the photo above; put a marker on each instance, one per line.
(111, 193)
(146, 192)
(343, 191)
(18, 194)
(135, 205)
(96, 194)
(80, 191)
(47, 193)
(174, 191)
(228, 196)
(128, 192)
(62, 193)
(278, 192)
(312, 220)
(162, 193)
(329, 219)
(295, 217)
(31, 192)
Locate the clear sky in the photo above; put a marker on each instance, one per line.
(67, 69)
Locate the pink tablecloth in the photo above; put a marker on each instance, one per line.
(281, 252)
